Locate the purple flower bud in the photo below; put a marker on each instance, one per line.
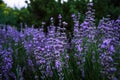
(65, 23)
(51, 18)
(112, 48)
(60, 16)
(57, 64)
(107, 41)
(90, 4)
(73, 15)
(43, 23)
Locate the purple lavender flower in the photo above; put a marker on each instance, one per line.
(59, 16)
(49, 71)
(65, 23)
(106, 58)
(90, 4)
(60, 20)
(58, 65)
(7, 62)
(73, 15)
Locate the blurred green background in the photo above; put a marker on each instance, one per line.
(41, 10)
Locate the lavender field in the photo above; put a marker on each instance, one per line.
(90, 52)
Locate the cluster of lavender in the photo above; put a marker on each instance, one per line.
(6, 52)
(84, 35)
(49, 48)
(109, 32)
(46, 49)
(32, 53)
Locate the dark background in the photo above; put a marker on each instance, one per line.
(41, 10)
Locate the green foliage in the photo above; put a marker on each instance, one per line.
(92, 65)
(14, 16)
(107, 7)
(41, 10)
